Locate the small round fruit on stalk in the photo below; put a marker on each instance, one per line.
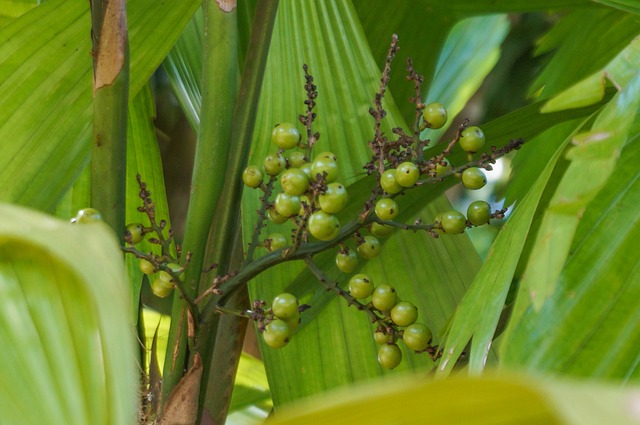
(417, 336)
(381, 230)
(360, 286)
(389, 356)
(146, 266)
(407, 174)
(324, 226)
(389, 183)
(479, 213)
(295, 159)
(294, 181)
(161, 288)
(87, 215)
(442, 167)
(381, 337)
(252, 176)
(369, 247)
(324, 163)
(277, 333)
(347, 261)
(134, 233)
(386, 209)
(474, 178)
(273, 164)
(472, 139)
(384, 297)
(453, 222)
(275, 217)
(285, 306)
(287, 205)
(294, 321)
(334, 198)
(276, 241)
(434, 115)
(285, 136)
(404, 313)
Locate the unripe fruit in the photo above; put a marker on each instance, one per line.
(417, 336)
(347, 261)
(167, 277)
(472, 139)
(323, 165)
(294, 181)
(285, 136)
(435, 115)
(474, 178)
(287, 205)
(404, 313)
(384, 297)
(386, 209)
(381, 337)
(360, 286)
(407, 174)
(134, 233)
(276, 334)
(294, 321)
(146, 267)
(160, 288)
(326, 155)
(277, 241)
(324, 226)
(334, 199)
(369, 248)
(306, 168)
(285, 306)
(441, 169)
(273, 164)
(88, 215)
(389, 356)
(389, 183)
(275, 217)
(479, 213)
(381, 230)
(295, 159)
(453, 222)
(252, 176)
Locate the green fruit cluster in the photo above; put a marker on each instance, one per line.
(286, 318)
(454, 222)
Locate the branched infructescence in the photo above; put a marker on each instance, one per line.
(301, 190)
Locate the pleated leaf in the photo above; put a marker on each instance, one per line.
(46, 88)
(68, 349)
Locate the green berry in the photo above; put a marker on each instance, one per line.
(167, 277)
(381, 230)
(273, 164)
(323, 165)
(306, 168)
(389, 356)
(276, 334)
(134, 233)
(294, 321)
(435, 115)
(473, 178)
(324, 226)
(285, 306)
(386, 209)
(146, 267)
(404, 313)
(479, 213)
(334, 199)
(285, 136)
(275, 217)
(347, 261)
(327, 156)
(472, 139)
(384, 297)
(295, 159)
(407, 174)
(88, 215)
(417, 336)
(160, 288)
(287, 205)
(442, 167)
(277, 241)
(381, 337)
(252, 176)
(389, 183)
(294, 181)
(369, 248)
(360, 286)
(453, 222)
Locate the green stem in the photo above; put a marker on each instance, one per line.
(219, 93)
(110, 103)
